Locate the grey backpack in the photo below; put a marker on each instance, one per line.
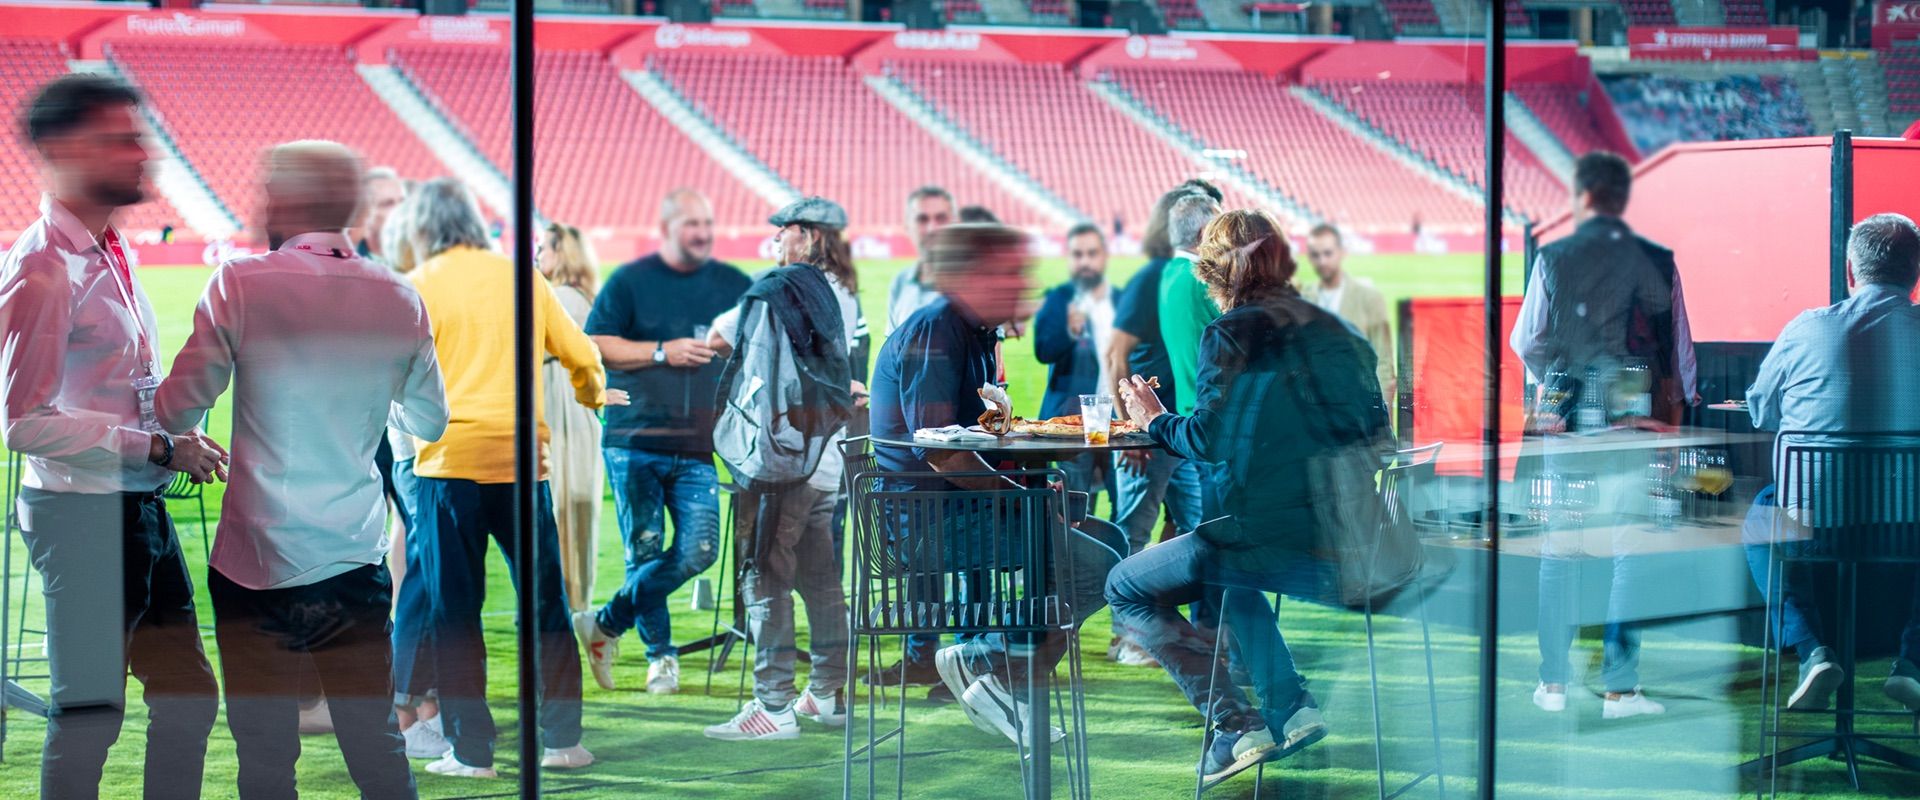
(760, 390)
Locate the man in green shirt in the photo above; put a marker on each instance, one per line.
(1185, 308)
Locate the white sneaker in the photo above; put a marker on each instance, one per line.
(437, 726)
(1630, 704)
(1550, 697)
(663, 676)
(424, 741)
(754, 723)
(1819, 678)
(1131, 654)
(448, 765)
(951, 663)
(995, 710)
(824, 710)
(601, 649)
(316, 718)
(573, 757)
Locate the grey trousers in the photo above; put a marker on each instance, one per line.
(786, 539)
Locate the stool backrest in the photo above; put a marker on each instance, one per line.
(928, 560)
(1854, 494)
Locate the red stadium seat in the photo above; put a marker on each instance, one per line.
(1444, 122)
(1563, 109)
(603, 156)
(225, 104)
(1298, 150)
(828, 134)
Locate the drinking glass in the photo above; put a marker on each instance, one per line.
(1096, 417)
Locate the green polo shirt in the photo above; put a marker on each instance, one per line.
(1185, 311)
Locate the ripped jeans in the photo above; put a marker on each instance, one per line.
(644, 482)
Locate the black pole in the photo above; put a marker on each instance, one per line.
(526, 462)
(1840, 223)
(1490, 416)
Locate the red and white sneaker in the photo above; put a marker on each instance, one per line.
(601, 648)
(754, 723)
(824, 710)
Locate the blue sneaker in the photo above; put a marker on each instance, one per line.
(1303, 727)
(1234, 752)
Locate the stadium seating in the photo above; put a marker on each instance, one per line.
(1180, 14)
(1745, 13)
(1444, 122)
(1659, 110)
(1902, 63)
(965, 11)
(826, 133)
(1563, 109)
(1517, 15)
(225, 104)
(1297, 150)
(25, 64)
(603, 156)
(1418, 15)
(1042, 120)
(1648, 12)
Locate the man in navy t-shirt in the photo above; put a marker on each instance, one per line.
(659, 449)
(927, 376)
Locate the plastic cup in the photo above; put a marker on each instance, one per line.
(1096, 417)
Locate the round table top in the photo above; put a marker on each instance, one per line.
(1022, 445)
(1728, 406)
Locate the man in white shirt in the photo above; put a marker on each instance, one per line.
(77, 355)
(1353, 299)
(929, 208)
(324, 350)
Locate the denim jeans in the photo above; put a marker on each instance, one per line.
(1093, 473)
(268, 637)
(118, 601)
(688, 488)
(787, 549)
(1166, 479)
(447, 552)
(1620, 639)
(1147, 590)
(1798, 624)
(1093, 551)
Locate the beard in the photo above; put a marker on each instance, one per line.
(117, 194)
(1086, 281)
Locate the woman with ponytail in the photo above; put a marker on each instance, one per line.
(1280, 384)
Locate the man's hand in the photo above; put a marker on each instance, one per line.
(1134, 462)
(860, 395)
(1141, 402)
(203, 459)
(687, 353)
(617, 397)
(1076, 321)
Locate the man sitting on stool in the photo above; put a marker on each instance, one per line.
(1848, 367)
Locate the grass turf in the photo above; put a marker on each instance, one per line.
(1144, 737)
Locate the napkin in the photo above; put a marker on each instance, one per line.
(952, 433)
(999, 416)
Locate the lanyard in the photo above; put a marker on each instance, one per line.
(116, 257)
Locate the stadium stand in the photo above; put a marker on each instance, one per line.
(225, 104)
(1902, 63)
(1110, 168)
(606, 156)
(1443, 121)
(1417, 15)
(1181, 14)
(1050, 12)
(1295, 149)
(25, 64)
(1659, 110)
(1745, 13)
(965, 11)
(1517, 15)
(1648, 12)
(1563, 109)
(829, 134)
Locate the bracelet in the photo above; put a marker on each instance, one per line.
(166, 451)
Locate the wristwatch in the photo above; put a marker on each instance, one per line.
(660, 352)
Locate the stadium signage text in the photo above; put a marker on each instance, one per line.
(674, 37)
(1889, 13)
(458, 30)
(178, 24)
(1160, 48)
(936, 40)
(1713, 38)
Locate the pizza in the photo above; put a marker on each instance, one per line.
(1067, 427)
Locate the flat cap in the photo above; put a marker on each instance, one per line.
(811, 211)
